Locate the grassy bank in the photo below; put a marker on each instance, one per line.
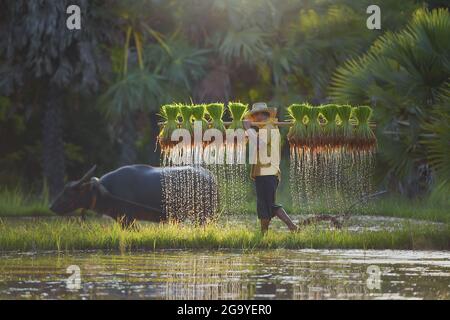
(431, 208)
(63, 235)
(17, 203)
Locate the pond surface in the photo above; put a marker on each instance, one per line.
(275, 274)
(355, 223)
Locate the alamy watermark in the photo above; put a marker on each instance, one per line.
(73, 21)
(73, 282)
(373, 22)
(373, 281)
(263, 146)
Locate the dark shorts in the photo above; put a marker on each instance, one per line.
(266, 190)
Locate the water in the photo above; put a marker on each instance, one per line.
(335, 178)
(226, 162)
(276, 274)
(188, 195)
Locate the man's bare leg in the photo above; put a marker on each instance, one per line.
(265, 225)
(281, 213)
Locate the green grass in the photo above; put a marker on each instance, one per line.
(69, 234)
(421, 209)
(16, 203)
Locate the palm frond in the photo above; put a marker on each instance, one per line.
(246, 44)
(139, 90)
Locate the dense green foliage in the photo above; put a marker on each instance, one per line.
(70, 99)
(405, 76)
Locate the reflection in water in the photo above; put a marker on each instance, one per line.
(205, 277)
(277, 274)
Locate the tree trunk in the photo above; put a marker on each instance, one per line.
(128, 137)
(53, 147)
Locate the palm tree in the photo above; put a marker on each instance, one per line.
(436, 137)
(44, 65)
(405, 76)
(151, 69)
(134, 86)
(279, 51)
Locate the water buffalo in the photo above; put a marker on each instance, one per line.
(138, 192)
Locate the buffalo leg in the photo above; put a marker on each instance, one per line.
(83, 215)
(126, 222)
(82, 218)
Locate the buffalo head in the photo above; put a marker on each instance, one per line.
(75, 195)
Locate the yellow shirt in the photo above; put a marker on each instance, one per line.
(271, 168)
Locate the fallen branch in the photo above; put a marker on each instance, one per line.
(319, 218)
(347, 212)
(338, 221)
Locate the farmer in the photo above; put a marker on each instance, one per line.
(266, 176)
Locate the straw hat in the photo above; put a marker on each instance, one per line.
(261, 107)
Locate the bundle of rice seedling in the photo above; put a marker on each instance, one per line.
(297, 132)
(170, 114)
(329, 113)
(313, 127)
(198, 113)
(186, 115)
(238, 111)
(364, 137)
(345, 128)
(215, 112)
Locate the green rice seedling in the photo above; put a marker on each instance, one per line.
(329, 113)
(297, 132)
(238, 111)
(215, 112)
(345, 128)
(313, 127)
(186, 115)
(170, 114)
(198, 113)
(364, 136)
